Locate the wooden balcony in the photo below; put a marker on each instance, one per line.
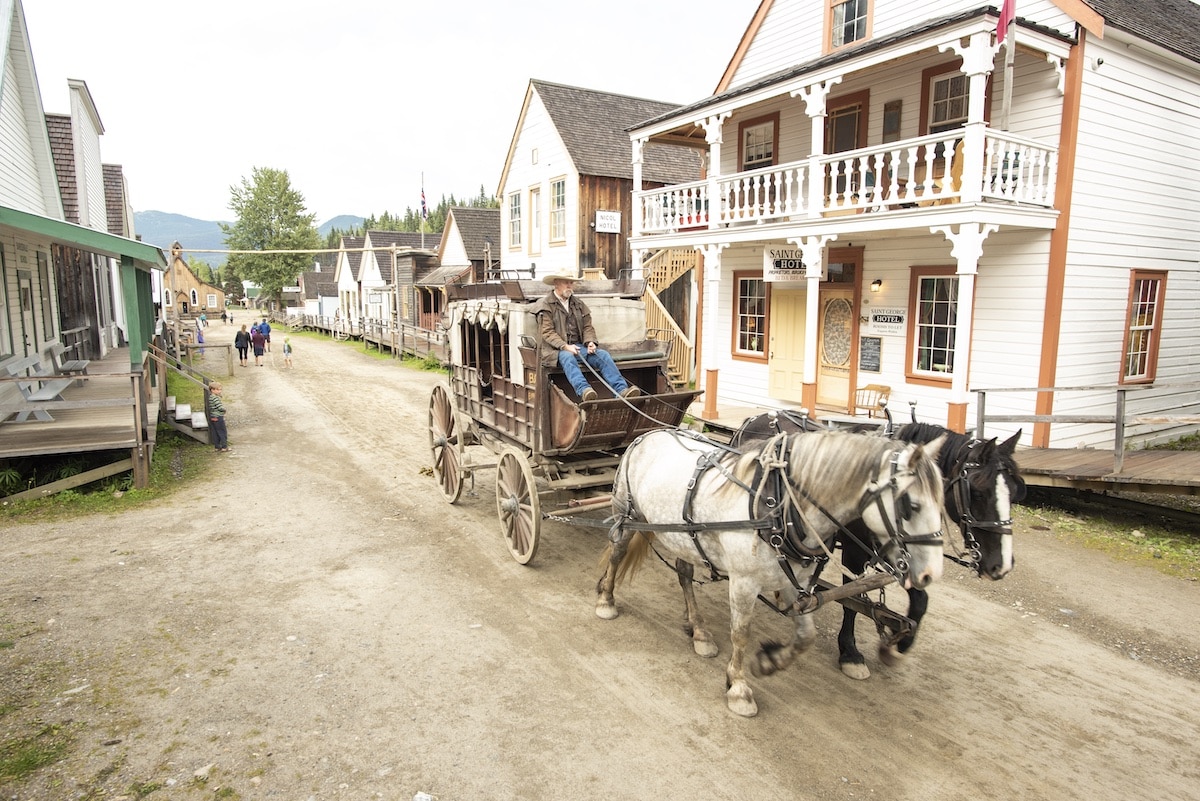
(904, 176)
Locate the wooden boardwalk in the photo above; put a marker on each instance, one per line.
(1159, 472)
(1155, 472)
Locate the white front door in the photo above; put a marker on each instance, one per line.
(785, 346)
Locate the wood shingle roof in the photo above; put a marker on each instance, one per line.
(594, 128)
(477, 227)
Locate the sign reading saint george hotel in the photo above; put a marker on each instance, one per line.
(783, 264)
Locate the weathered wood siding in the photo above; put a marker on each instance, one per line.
(607, 252)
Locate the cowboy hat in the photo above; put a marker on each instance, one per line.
(550, 279)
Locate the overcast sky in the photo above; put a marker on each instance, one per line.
(355, 98)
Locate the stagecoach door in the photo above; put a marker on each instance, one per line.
(837, 330)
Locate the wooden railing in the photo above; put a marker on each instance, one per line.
(661, 270)
(1175, 405)
(908, 174)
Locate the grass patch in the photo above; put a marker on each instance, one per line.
(22, 757)
(178, 461)
(1169, 547)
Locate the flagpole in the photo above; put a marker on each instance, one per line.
(423, 212)
(1008, 34)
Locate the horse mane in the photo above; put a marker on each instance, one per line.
(958, 447)
(824, 463)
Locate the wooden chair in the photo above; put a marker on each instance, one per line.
(872, 399)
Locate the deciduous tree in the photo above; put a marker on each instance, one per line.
(271, 216)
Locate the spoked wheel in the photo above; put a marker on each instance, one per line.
(518, 505)
(446, 441)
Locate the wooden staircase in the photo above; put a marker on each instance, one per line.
(181, 418)
(662, 270)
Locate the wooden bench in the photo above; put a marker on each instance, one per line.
(41, 387)
(66, 366)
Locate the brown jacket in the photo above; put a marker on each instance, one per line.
(552, 326)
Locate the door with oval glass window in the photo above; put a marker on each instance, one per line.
(837, 330)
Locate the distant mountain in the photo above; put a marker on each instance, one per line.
(162, 229)
(343, 222)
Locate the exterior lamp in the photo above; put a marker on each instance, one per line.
(877, 284)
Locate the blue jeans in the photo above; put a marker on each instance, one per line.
(599, 360)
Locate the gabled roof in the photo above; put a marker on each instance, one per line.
(403, 240)
(477, 227)
(353, 246)
(594, 129)
(1171, 24)
(23, 99)
(795, 71)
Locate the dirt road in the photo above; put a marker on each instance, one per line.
(313, 621)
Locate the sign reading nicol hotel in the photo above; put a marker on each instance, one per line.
(783, 264)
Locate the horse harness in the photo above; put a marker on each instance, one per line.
(958, 492)
(776, 516)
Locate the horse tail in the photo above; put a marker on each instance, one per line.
(635, 554)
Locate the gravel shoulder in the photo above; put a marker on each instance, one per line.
(312, 620)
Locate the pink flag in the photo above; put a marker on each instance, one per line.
(1008, 13)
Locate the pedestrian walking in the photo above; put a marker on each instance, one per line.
(265, 328)
(217, 432)
(241, 341)
(287, 352)
(259, 343)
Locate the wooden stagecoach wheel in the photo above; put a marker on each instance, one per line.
(518, 505)
(446, 442)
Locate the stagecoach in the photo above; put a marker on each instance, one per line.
(554, 456)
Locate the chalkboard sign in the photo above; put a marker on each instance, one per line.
(869, 354)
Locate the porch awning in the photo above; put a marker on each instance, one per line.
(443, 275)
(145, 257)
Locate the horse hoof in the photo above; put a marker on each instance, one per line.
(889, 656)
(606, 611)
(705, 648)
(741, 705)
(856, 670)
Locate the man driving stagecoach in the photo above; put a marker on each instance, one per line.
(568, 338)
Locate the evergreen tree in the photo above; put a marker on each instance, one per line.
(231, 282)
(271, 216)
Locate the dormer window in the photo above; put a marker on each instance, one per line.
(849, 22)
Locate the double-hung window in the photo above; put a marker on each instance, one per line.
(558, 210)
(750, 315)
(514, 220)
(933, 317)
(949, 96)
(1143, 327)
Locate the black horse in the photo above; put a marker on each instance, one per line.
(982, 481)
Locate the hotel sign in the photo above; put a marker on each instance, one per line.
(608, 222)
(783, 264)
(888, 321)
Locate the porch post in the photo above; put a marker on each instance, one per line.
(977, 58)
(814, 105)
(966, 248)
(710, 299)
(714, 134)
(635, 209)
(812, 251)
